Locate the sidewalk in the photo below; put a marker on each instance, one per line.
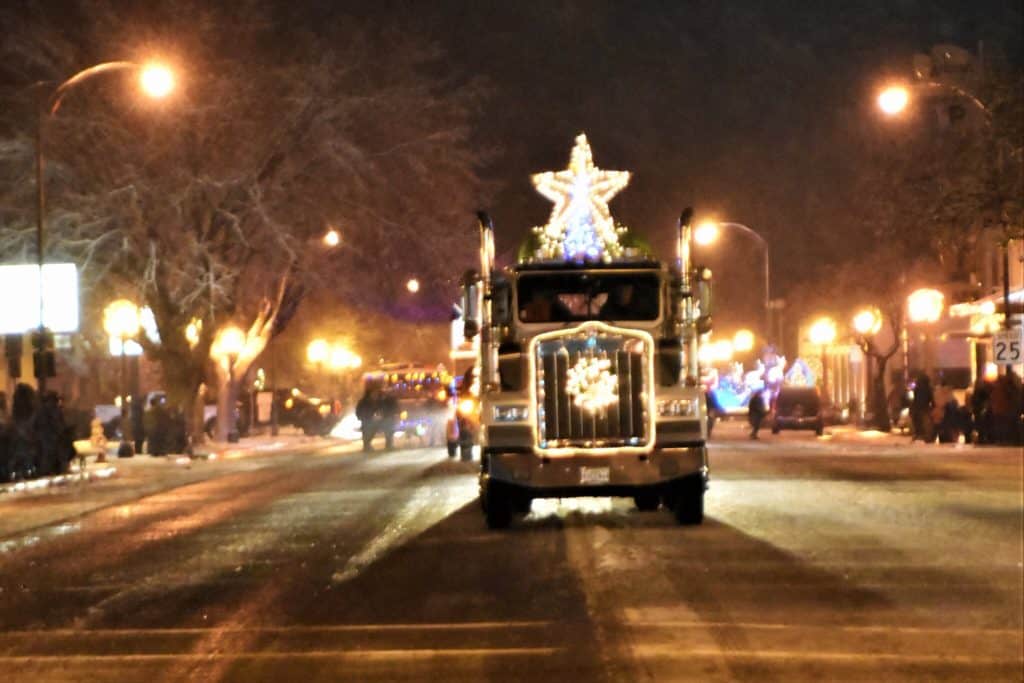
(25, 506)
(737, 430)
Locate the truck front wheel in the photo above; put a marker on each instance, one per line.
(647, 501)
(497, 502)
(686, 500)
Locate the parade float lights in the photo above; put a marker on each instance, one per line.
(592, 385)
(581, 228)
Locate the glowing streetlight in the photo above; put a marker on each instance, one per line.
(413, 285)
(318, 351)
(822, 334)
(893, 100)
(867, 322)
(343, 359)
(925, 305)
(705, 233)
(228, 345)
(332, 238)
(743, 341)
(156, 80)
(192, 332)
(121, 320)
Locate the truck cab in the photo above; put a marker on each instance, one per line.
(587, 364)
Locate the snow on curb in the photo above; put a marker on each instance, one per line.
(58, 480)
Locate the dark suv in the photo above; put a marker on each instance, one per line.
(798, 408)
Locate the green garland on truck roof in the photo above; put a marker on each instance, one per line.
(634, 247)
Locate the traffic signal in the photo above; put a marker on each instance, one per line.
(43, 359)
(12, 350)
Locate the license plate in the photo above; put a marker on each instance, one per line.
(595, 475)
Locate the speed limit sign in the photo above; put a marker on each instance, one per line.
(1008, 346)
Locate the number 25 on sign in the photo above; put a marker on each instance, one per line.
(1008, 346)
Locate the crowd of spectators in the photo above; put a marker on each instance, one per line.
(35, 440)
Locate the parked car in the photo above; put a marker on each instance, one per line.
(798, 408)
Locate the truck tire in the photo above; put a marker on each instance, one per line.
(647, 501)
(521, 504)
(497, 503)
(688, 501)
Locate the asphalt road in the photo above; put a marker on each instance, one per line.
(819, 561)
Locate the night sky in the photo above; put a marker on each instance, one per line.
(737, 108)
(741, 109)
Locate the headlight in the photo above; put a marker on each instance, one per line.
(511, 413)
(678, 407)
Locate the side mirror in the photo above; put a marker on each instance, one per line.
(501, 303)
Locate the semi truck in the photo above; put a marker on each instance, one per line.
(588, 374)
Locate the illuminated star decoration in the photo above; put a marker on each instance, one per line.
(591, 385)
(581, 227)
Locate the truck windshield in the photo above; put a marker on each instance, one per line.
(570, 297)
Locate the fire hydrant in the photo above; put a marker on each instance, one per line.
(98, 440)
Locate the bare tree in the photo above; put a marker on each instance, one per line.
(210, 207)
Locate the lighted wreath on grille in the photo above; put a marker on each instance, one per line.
(591, 385)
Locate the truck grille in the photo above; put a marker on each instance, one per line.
(592, 390)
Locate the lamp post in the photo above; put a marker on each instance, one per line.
(822, 334)
(156, 81)
(226, 347)
(894, 100)
(924, 307)
(867, 323)
(707, 233)
(121, 322)
(342, 359)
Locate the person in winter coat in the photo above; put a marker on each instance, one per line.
(24, 447)
(920, 410)
(756, 410)
(368, 410)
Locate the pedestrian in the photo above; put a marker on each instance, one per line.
(23, 444)
(138, 418)
(944, 412)
(156, 422)
(756, 411)
(981, 411)
(367, 411)
(1006, 409)
(55, 444)
(920, 410)
(389, 418)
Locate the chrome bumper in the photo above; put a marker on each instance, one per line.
(567, 476)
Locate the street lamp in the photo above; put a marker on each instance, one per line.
(413, 285)
(155, 80)
(121, 322)
(707, 233)
(894, 100)
(227, 346)
(822, 334)
(924, 306)
(743, 341)
(332, 238)
(867, 322)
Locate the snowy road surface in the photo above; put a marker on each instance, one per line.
(819, 560)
